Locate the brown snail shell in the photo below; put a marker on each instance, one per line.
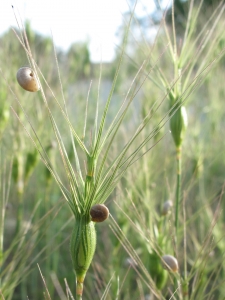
(170, 263)
(99, 213)
(27, 79)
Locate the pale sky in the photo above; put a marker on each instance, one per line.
(73, 20)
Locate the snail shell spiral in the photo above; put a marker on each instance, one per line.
(27, 79)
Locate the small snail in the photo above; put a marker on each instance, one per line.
(167, 207)
(99, 213)
(170, 263)
(27, 79)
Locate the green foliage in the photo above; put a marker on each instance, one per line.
(157, 272)
(15, 169)
(98, 156)
(31, 161)
(79, 64)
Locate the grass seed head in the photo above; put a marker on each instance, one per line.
(157, 272)
(178, 125)
(82, 248)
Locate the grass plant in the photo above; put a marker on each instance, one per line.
(108, 160)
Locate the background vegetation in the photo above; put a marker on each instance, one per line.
(35, 221)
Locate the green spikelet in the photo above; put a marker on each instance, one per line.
(82, 247)
(156, 270)
(31, 161)
(15, 169)
(178, 125)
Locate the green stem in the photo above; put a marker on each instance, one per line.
(177, 204)
(19, 220)
(50, 261)
(79, 290)
(185, 289)
(2, 219)
(178, 188)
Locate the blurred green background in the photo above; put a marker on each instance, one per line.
(36, 223)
